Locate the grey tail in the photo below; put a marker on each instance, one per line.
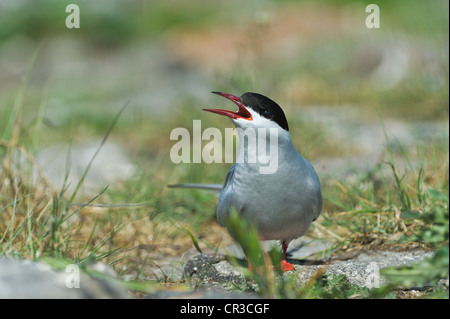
(209, 187)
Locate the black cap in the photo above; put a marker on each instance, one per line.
(265, 107)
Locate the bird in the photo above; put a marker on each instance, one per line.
(281, 204)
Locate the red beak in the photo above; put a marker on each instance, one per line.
(242, 113)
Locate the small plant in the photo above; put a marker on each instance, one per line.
(435, 232)
(262, 265)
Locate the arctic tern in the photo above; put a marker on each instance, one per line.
(281, 204)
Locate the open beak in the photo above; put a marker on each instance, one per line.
(242, 113)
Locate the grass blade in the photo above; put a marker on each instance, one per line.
(96, 152)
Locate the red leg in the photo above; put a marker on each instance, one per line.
(285, 265)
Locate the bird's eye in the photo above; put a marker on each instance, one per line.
(266, 114)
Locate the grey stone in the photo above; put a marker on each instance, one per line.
(110, 166)
(361, 270)
(213, 272)
(26, 279)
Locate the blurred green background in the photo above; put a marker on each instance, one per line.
(163, 56)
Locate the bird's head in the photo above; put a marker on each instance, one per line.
(255, 110)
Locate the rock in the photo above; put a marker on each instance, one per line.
(362, 270)
(25, 279)
(213, 272)
(444, 283)
(110, 166)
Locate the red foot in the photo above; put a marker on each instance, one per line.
(285, 266)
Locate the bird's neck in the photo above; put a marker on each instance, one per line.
(259, 148)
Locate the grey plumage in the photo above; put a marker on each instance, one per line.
(282, 202)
